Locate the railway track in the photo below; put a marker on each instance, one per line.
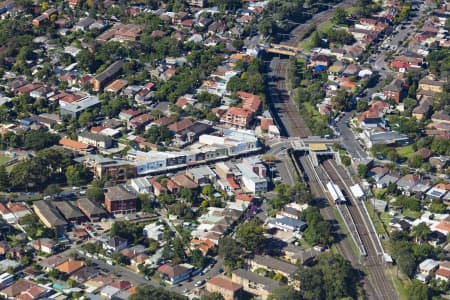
(298, 33)
(283, 105)
(343, 245)
(374, 260)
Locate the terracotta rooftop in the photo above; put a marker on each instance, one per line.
(70, 266)
(224, 283)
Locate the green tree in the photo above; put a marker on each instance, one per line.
(77, 175)
(52, 189)
(419, 291)
(212, 296)
(85, 118)
(421, 232)
(149, 292)
(318, 230)
(197, 259)
(340, 16)
(251, 235)
(145, 202)
(362, 170)
(415, 161)
(4, 179)
(331, 278)
(95, 194)
(284, 292)
(346, 160)
(231, 252)
(119, 258)
(208, 191)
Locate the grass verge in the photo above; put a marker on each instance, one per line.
(376, 221)
(345, 232)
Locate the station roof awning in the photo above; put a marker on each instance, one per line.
(318, 147)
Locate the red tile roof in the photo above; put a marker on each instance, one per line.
(233, 183)
(65, 142)
(224, 283)
(443, 273)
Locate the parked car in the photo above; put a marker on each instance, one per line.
(199, 283)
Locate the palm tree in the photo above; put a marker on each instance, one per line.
(421, 232)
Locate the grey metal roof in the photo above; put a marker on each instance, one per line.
(68, 210)
(95, 136)
(50, 213)
(268, 283)
(275, 264)
(90, 207)
(119, 193)
(112, 70)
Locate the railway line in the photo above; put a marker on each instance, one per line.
(343, 245)
(374, 260)
(289, 119)
(298, 33)
(291, 124)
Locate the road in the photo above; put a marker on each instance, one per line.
(349, 142)
(396, 40)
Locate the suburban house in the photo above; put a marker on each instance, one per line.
(94, 139)
(70, 266)
(175, 274)
(443, 272)
(431, 85)
(115, 244)
(45, 245)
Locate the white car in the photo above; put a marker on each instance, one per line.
(199, 283)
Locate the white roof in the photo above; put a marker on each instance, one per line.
(357, 191)
(110, 131)
(428, 264)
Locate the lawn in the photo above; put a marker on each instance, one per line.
(400, 285)
(376, 221)
(385, 218)
(4, 159)
(405, 151)
(345, 231)
(411, 214)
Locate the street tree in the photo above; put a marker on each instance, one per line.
(251, 235)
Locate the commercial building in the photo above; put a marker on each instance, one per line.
(252, 182)
(49, 215)
(92, 210)
(119, 200)
(116, 170)
(70, 212)
(74, 108)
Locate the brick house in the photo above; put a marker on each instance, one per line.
(118, 200)
(394, 90)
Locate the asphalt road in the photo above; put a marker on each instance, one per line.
(349, 141)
